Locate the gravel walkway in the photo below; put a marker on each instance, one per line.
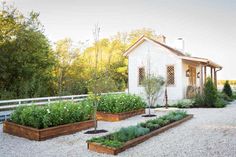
(211, 133)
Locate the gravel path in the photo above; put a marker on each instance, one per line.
(211, 133)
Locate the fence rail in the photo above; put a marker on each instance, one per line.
(7, 105)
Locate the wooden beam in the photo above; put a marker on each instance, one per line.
(215, 77)
(211, 74)
(201, 79)
(205, 74)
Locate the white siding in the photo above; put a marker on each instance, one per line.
(160, 57)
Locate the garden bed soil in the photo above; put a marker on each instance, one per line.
(113, 117)
(114, 151)
(43, 134)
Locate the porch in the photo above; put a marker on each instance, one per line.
(196, 72)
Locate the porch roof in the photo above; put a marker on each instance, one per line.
(201, 60)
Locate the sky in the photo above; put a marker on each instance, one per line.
(208, 27)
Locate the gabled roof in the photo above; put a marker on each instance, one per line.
(143, 38)
(178, 53)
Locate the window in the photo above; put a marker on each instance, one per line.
(141, 75)
(170, 75)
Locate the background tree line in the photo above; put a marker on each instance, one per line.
(31, 67)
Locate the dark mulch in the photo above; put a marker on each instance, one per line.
(95, 131)
(149, 115)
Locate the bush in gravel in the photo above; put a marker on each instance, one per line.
(119, 138)
(185, 103)
(227, 89)
(220, 103)
(52, 115)
(210, 93)
(120, 103)
(225, 97)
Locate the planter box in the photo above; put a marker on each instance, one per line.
(43, 134)
(113, 117)
(114, 151)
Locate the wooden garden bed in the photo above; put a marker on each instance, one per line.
(114, 151)
(112, 117)
(43, 134)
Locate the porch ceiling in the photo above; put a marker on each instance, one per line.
(197, 61)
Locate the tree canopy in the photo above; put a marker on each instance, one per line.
(31, 67)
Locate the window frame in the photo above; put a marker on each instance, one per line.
(170, 85)
(139, 83)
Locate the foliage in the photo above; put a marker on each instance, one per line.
(120, 103)
(52, 115)
(30, 67)
(152, 85)
(227, 89)
(210, 93)
(26, 58)
(129, 133)
(199, 100)
(185, 103)
(224, 97)
(120, 137)
(164, 120)
(220, 103)
(211, 97)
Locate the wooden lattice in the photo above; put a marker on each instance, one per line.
(141, 75)
(170, 75)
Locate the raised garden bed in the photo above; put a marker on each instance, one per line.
(43, 134)
(97, 147)
(112, 117)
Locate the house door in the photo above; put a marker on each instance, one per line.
(192, 77)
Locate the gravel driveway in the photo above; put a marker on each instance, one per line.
(211, 133)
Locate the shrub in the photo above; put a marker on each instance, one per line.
(120, 103)
(224, 96)
(199, 101)
(220, 103)
(129, 133)
(52, 115)
(117, 139)
(185, 103)
(210, 93)
(227, 89)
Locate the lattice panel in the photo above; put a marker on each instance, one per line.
(170, 75)
(141, 75)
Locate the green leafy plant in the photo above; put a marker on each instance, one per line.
(119, 138)
(120, 103)
(210, 93)
(53, 114)
(227, 89)
(220, 103)
(185, 103)
(152, 86)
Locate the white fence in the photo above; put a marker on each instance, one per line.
(7, 105)
(11, 104)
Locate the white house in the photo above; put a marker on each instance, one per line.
(182, 73)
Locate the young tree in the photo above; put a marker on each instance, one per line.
(152, 86)
(96, 83)
(227, 89)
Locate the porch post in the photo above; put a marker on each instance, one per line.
(215, 77)
(201, 79)
(205, 74)
(211, 74)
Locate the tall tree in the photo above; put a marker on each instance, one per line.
(26, 58)
(65, 54)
